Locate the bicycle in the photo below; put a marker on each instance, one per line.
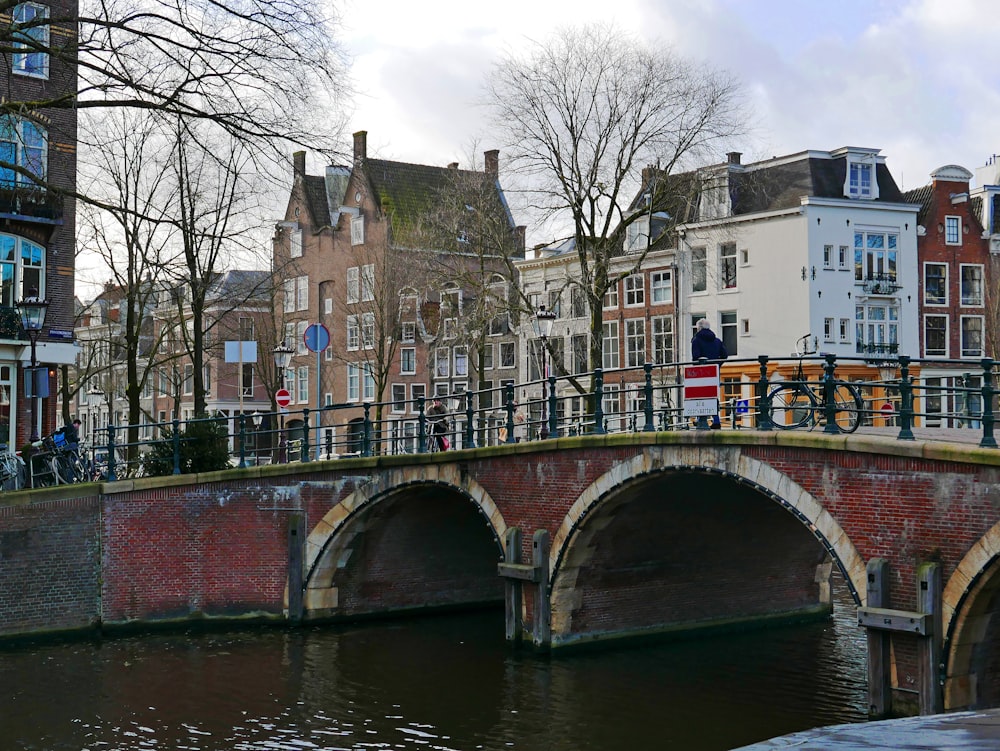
(796, 402)
(13, 474)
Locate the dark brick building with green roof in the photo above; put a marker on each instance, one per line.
(405, 265)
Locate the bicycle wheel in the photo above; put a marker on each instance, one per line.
(792, 405)
(850, 407)
(63, 469)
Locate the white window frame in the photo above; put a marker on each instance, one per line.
(699, 264)
(353, 284)
(611, 297)
(302, 384)
(828, 327)
(398, 404)
(635, 342)
(38, 34)
(943, 353)
(963, 300)
(358, 229)
(610, 350)
(982, 336)
(635, 290)
(508, 355)
(353, 334)
(407, 354)
(827, 256)
(953, 230)
(728, 266)
(295, 243)
(844, 258)
(943, 303)
(353, 382)
(368, 282)
(368, 330)
(302, 293)
(661, 287)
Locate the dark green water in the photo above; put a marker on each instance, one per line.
(448, 682)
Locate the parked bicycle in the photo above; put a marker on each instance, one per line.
(56, 462)
(13, 474)
(798, 402)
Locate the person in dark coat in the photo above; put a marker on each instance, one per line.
(706, 345)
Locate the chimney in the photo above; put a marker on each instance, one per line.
(733, 157)
(453, 165)
(360, 146)
(491, 160)
(299, 164)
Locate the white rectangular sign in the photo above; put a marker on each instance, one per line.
(701, 407)
(249, 353)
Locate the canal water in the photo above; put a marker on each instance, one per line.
(446, 682)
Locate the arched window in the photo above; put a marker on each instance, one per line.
(22, 267)
(22, 143)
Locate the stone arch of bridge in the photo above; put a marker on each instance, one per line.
(327, 539)
(971, 625)
(570, 547)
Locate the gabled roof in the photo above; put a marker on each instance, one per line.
(921, 196)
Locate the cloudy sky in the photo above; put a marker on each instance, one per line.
(911, 77)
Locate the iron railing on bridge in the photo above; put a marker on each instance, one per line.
(945, 394)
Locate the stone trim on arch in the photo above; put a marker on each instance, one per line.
(963, 619)
(391, 482)
(569, 544)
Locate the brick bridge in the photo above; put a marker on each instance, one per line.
(583, 538)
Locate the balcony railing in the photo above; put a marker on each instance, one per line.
(30, 202)
(881, 284)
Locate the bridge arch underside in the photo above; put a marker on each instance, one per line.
(685, 550)
(418, 547)
(973, 679)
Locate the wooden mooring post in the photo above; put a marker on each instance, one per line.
(515, 574)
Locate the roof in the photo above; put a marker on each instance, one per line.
(315, 198)
(921, 196)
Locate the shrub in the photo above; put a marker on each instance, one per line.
(204, 447)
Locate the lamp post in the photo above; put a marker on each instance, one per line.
(544, 320)
(282, 357)
(32, 311)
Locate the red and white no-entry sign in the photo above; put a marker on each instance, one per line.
(282, 398)
(701, 390)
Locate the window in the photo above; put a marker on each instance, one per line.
(661, 287)
(745, 327)
(353, 284)
(22, 268)
(555, 302)
(635, 341)
(488, 356)
(418, 391)
(246, 329)
(408, 332)
(611, 296)
(827, 329)
(744, 257)
(972, 336)
(935, 336)
(442, 362)
(327, 402)
(729, 332)
(407, 360)
(303, 385)
(295, 243)
(368, 383)
(461, 356)
(843, 258)
(845, 329)
(972, 285)
(449, 329)
(31, 35)
(188, 379)
(860, 180)
(580, 344)
(353, 333)
(610, 334)
(699, 270)
(535, 354)
(399, 397)
(288, 295)
(246, 380)
(164, 384)
(727, 265)
(577, 302)
(953, 230)
(353, 382)
(662, 330)
(357, 230)
(328, 305)
(635, 291)
(368, 330)
(368, 282)
(302, 292)
(637, 234)
(876, 328)
(875, 256)
(22, 143)
(827, 256)
(507, 354)
(935, 284)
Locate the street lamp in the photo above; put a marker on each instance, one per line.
(32, 311)
(544, 320)
(282, 357)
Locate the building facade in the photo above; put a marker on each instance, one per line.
(37, 238)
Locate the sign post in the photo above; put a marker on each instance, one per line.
(701, 392)
(317, 339)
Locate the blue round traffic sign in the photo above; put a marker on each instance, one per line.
(317, 338)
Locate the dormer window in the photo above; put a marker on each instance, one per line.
(861, 180)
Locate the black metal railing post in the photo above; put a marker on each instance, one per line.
(967, 401)
(763, 402)
(509, 398)
(988, 441)
(243, 441)
(111, 453)
(648, 397)
(421, 426)
(304, 453)
(553, 414)
(366, 438)
(829, 392)
(470, 426)
(177, 446)
(905, 400)
(599, 402)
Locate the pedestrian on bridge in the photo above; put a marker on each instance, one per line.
(707, 346)
(438, 417)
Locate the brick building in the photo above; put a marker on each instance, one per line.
(37, 236)
(404, 264)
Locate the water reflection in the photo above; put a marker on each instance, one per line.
(443, 683)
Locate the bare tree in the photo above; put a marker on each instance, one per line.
(582, 113)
